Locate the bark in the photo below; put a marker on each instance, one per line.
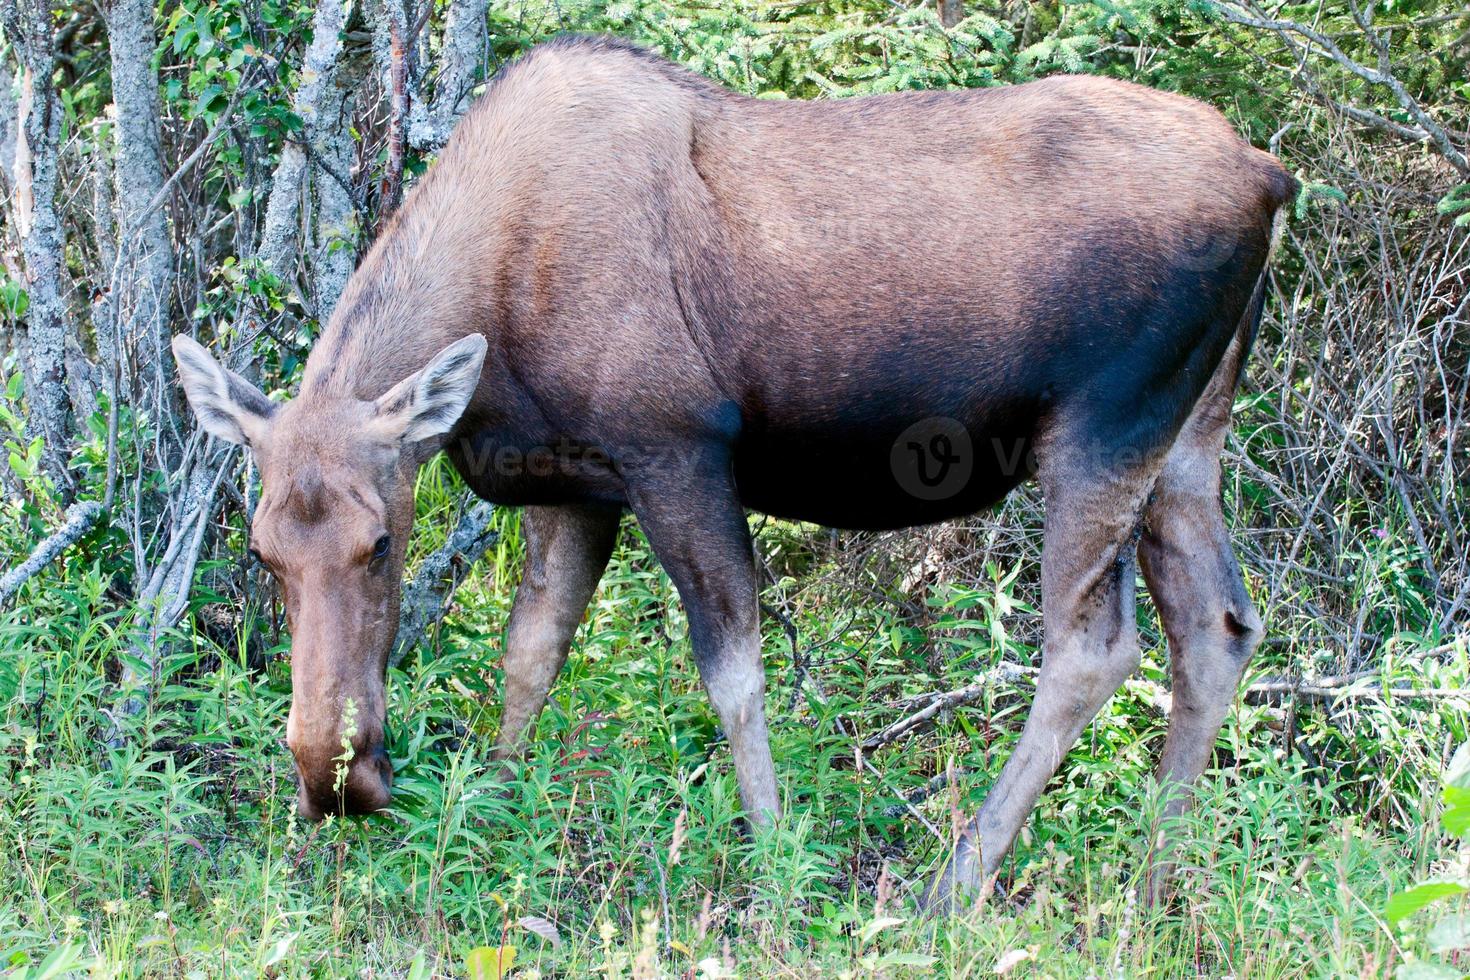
(31, 29)
(279, 235)
(143, 280)
(951, 12)
(390, 51)
(337, 219)
(460, 56)
(8, 127)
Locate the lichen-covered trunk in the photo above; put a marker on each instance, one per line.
(143, 280)
(278, 237)
(33, 173)
(460, 57)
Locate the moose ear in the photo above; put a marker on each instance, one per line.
(427, 404)
(228, 406)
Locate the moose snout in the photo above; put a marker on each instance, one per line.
(362, 785)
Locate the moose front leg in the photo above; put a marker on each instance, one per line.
(697, 528)
(567, 549)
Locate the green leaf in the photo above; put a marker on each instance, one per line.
(14, 300)
(920, 960)
(1408, 902)
(489, 962)
(419, 969)
(1457, 773)
(1456, 816)
(61, 961)
(211, 100)
(876, 926)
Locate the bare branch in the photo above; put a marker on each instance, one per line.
(1376, 76)
(80, 517)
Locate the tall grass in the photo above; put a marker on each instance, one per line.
(617, 847)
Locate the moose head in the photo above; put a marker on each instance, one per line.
(332, 526)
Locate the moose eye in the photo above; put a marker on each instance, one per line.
(380, 548)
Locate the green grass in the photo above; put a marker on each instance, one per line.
(180, 853)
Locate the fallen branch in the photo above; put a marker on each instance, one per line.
(426, 598)
(918, 795)
(1265, 691)
(1333, 689)
(80, 517)
(945, 701)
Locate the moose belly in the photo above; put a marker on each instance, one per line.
(924, 471)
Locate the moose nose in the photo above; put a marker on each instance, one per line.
(366, 788)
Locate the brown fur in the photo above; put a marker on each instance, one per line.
(692, 301)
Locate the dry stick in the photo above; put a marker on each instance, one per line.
(1263, 692)
(166, 595)
(398, 112)
(1324, 689)
(80, 517)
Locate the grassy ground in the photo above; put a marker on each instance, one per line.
(618, 850)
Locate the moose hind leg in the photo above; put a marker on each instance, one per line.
(1090, 648)
(1207, 615)
(567, 549)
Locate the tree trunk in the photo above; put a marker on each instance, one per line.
(459, 60)
(337, 217)
(278, 239)
(142, 284)
(34, 173)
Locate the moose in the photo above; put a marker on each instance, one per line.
(623, 287)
